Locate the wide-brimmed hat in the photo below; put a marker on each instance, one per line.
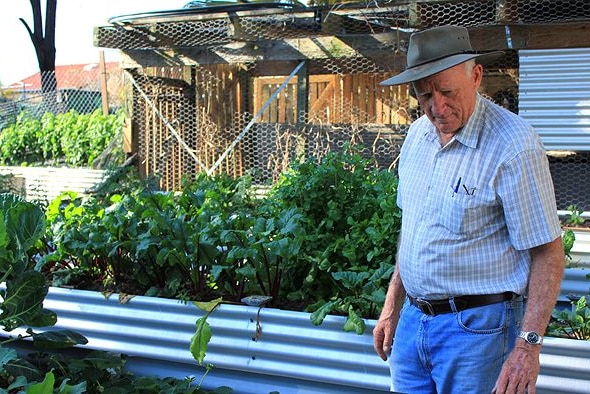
(437, 49)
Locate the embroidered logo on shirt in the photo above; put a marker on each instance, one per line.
(460, 188)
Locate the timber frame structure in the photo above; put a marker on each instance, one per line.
(249, 88)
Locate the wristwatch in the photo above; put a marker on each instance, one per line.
(531, 337)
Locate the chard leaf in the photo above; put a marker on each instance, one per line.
(354, 323)
(319, 315)
(58, 339)
(24, 300)
(200, 340)
(44, 387)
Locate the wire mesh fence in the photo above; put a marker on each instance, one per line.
(83, 88)
(242, 112)
(249, 89)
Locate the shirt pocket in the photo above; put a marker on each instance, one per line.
(468, 214)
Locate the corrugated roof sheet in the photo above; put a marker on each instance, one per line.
(46, 183)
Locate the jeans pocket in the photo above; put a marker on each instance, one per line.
(488, 319)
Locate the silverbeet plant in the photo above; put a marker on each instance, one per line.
(350, 223)
(322, 240)
(22, 224)
(574, 323)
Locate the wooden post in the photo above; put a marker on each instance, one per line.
(302, 95)
(103, 84)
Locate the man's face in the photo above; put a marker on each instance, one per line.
(448, 98)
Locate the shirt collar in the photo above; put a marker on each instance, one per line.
(469, 134)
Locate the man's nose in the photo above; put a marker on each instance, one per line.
(437, 103)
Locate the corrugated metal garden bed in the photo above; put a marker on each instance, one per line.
(259, 350)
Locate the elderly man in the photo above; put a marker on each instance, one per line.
(480, 258)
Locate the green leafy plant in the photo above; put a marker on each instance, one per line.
(350, 223)
(568, 239)
(323, 239)
(574, 218)
(22, 224)
(145, 242)
(263, 253)
(95, 372)
(70, 138)
(200, 340)
(574, 323)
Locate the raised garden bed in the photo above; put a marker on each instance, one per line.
(258, 350)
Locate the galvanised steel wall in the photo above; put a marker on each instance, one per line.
(554, 96)
(46, 183)
(289, 355)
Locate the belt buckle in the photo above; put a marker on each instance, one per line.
(425, 306)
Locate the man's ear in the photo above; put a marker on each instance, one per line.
(477, 74)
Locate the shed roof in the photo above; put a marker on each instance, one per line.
(72, 76)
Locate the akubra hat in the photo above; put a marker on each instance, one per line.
(437, 49)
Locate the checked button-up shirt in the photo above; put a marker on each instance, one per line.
(473, 208)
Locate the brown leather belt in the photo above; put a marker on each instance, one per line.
(437, 307)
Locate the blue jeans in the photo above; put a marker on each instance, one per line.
(459, 352)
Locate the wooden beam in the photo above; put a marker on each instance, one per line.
(553, 36)
(352, 46)
(383, 47)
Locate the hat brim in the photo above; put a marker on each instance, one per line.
(425, 70)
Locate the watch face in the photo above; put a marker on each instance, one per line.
(532, 337)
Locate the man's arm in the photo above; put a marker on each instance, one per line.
(521, 368)
(385, 328)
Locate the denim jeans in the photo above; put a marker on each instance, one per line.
(460, 352)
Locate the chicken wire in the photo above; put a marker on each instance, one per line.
(79, 87)
(180, 135)
(206, 116)
(204, 27)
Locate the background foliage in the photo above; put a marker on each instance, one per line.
(69, 138)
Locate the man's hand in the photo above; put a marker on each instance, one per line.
(383, 337)
(385, 328)
(520, 370)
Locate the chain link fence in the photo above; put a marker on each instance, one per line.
(83, 88)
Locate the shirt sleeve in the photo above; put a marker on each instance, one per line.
(526, 190)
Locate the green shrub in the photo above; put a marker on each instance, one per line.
(574, 323)
(70, 138)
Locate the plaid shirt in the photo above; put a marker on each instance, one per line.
(472, 209)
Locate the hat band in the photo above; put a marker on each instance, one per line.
(442, 57)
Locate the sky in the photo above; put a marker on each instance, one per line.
(75, 22)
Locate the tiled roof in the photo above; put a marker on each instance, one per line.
(73, 76)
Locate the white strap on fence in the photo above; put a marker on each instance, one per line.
(167, 124)
(254, 119)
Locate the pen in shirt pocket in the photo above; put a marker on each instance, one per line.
(456, 188)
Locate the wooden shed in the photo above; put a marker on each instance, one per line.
(249, 87)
